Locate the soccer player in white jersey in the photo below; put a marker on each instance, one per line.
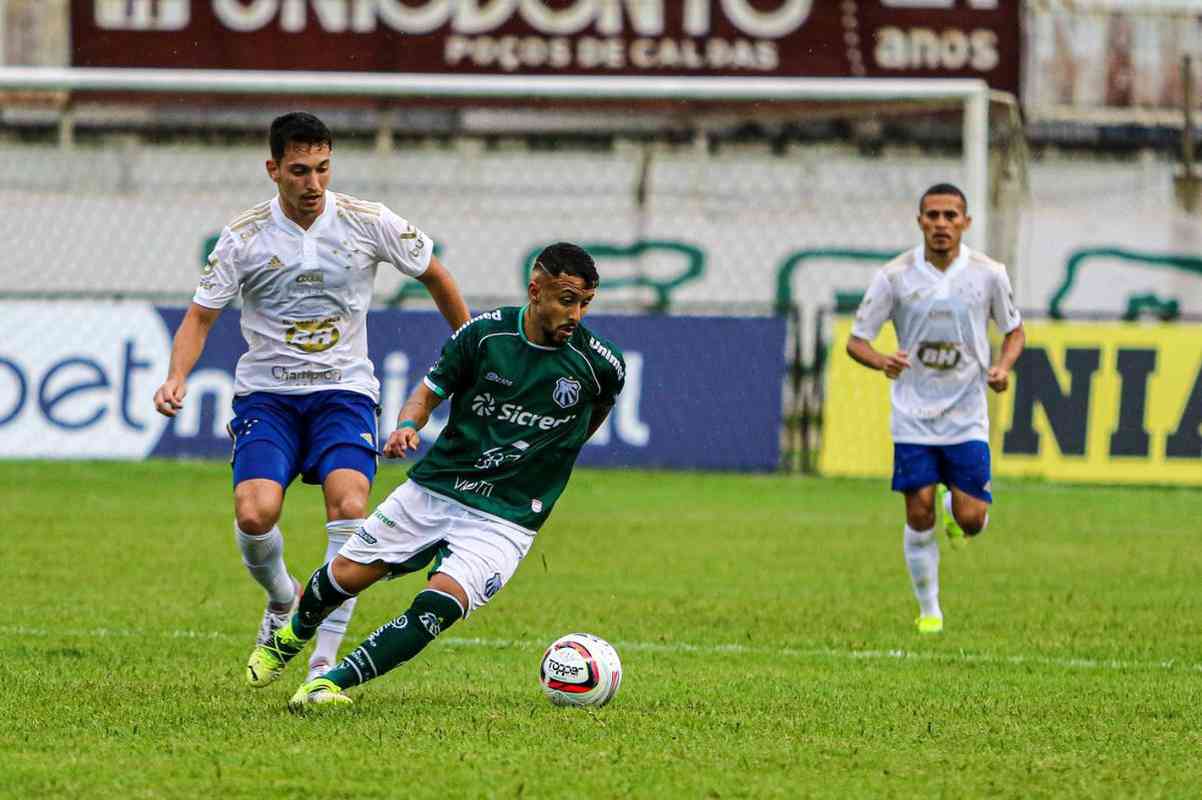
(940, 297)
(305, 392)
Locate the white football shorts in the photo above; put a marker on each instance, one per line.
(484, 551)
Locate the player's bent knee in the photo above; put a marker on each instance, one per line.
(346, 508)
(257, 505)
(347, 485)
(445, 584)
(256, 520)
(921, 520)
(256, 525)
(354, 577)
(973, 523)
(971, 517)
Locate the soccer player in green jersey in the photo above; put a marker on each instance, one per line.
(528, 387)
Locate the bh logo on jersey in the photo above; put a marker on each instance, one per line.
(484, 405)
(313, 335)
(566, 393)
(939, 355)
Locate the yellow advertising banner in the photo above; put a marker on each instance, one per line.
(1088, 402)
(855, 417)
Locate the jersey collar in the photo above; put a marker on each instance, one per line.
(327, 213)
(522, 331)
(960, 260)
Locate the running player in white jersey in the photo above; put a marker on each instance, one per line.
(940, 297)
(305, 393)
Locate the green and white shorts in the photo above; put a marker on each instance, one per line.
(414, 528)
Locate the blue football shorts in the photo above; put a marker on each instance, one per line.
(964, 466)
(278, 436)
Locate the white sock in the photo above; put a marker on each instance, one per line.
(333, 628)
(264, 559)
(922, 560)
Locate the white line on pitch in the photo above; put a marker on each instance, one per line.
(17, 631)
(860, 655)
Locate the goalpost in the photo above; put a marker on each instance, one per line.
(677, 222)
(971, 94)
(792, 200)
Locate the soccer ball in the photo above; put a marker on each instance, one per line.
(580, 670)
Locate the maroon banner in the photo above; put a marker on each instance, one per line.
(811, 38)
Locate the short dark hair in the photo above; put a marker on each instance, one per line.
(564, 257)
(297, 126)
(944, 188)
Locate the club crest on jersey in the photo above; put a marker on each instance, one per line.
(566, 393)
(492, 585)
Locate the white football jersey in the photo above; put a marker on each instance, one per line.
(305, 293)
(941, 320)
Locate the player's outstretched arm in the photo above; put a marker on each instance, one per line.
(441, 285)
(862, 351)
(413, 417)
(1013, 343)
(186, 348)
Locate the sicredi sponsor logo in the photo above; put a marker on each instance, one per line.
(512, 412)
(485, 405)
(76, 379)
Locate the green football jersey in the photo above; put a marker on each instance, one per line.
(519, 415)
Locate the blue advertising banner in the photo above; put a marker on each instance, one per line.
(77, 381)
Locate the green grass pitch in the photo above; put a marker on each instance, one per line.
(765, 624)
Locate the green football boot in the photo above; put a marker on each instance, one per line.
(318, 692)
(929, 624)
(268, 660)
(955, 534)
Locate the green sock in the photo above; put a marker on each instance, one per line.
(398, 641)
(317, 602)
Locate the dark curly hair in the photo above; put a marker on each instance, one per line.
(297, 126)
(564, 257)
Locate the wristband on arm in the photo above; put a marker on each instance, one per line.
(406, 423)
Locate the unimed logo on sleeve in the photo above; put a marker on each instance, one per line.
(77, 379)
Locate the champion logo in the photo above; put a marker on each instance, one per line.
(275, 263)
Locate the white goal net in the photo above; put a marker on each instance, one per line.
(731, 194)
